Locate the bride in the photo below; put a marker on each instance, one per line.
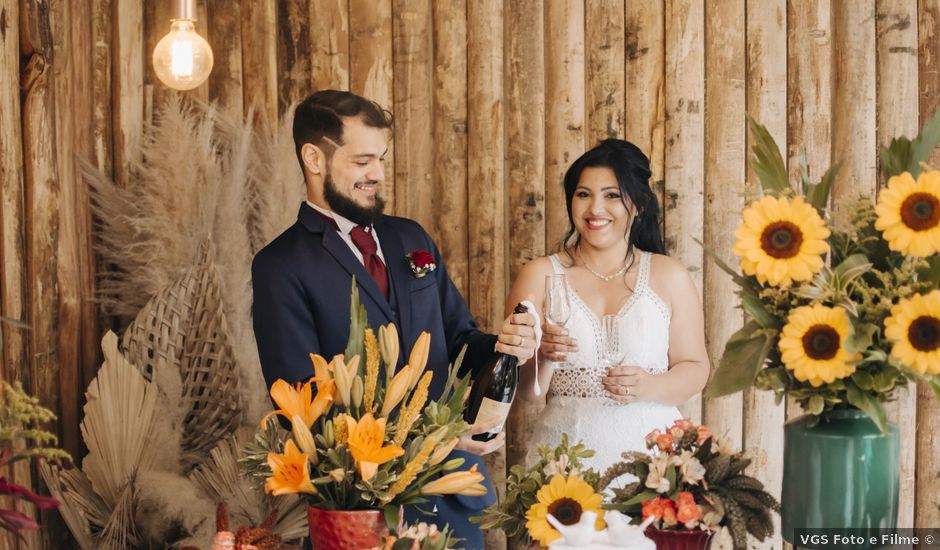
(617, 276)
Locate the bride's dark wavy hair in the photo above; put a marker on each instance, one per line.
(632, 170)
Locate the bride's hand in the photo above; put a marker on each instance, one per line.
(556, 344)
(628, 383)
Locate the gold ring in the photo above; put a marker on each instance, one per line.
(628, 391)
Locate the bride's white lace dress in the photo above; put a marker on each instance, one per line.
(576, 401)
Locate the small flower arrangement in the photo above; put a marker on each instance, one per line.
(420, 536)
(692, 480)
(421, 261)
(20, 440)
(557, 483)
(364, 440)
(838, 317)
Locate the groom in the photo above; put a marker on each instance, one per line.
(301, 280)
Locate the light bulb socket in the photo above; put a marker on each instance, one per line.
(185, 9)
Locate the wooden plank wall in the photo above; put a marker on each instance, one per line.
(493, 99)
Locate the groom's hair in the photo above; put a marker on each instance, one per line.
(319, 119)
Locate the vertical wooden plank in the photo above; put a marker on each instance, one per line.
(809, 81)
(259, 58)
(414, 154)
(370, 70)
(293, 52)
(449, 28)
(525, 130)
(645, 83)
(127, 105)
(201, 24)
(564, 112)
(13, 298)
(766, 102)
(927, 481)
(853, 115)
(604, 36)
(724, 145)
(225, 36)
(102, 29)
(329, 44)
(41, 190)
(486, 150)
(156, 24)
(685, 138)
(898, 114)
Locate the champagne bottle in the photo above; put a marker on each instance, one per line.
(493, 391)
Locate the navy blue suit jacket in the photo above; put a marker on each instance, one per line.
(301, 283)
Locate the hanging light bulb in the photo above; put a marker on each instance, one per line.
(182, 58)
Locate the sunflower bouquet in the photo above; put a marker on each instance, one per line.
(838, 317)
(556, 484)
(364, 436)
(692, 479)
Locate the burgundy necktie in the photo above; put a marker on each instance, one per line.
(365, 242)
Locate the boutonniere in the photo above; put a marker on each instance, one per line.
(421, 262)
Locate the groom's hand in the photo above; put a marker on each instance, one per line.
(481, 448)
(517, 336)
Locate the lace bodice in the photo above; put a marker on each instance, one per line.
(577, 404)
(644, 335)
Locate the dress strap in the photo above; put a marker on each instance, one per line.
(556, 265)
(643, 277)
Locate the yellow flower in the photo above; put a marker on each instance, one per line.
(299, 401)
(443, 451)
(365, 442)
(396, 390)
(812, 344)
(344, 374)
(372, 368)
(321, 371)
(388, 344)
(412, 469)
(914, 327)
(304, 438)
(453, 483)
(781, 241)
(909, 213)
(289, 472)
(410, 413)
(419, 357)
(566, 498)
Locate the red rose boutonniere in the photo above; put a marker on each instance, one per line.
(421, 262)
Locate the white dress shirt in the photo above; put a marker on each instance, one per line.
(345, 227)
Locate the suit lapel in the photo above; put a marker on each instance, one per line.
(337, 247)
(400, 275)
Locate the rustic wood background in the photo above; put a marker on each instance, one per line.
(493, 100)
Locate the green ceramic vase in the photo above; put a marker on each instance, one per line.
(841, 473)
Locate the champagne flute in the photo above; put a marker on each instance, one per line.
(556, 308)
(612, 348)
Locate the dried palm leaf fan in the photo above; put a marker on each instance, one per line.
(183, 329)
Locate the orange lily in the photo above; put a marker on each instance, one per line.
(290, 472)
(397, 389)
(321, 371)
(419, 357)
(366, 438)
(388, 344)
(455, 483)
(300, 401)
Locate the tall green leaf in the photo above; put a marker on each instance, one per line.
(924, 144)
(767, 161)
(743, 282)
(818, 194)
(358, 320)
(742, 359)
(755, 308)
(867, 404)
(896, 157)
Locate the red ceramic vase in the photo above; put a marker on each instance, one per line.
(691, 539)
(346, 529)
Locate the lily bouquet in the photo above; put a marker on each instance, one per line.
(363, 435)
(838, 316)
(691, 479)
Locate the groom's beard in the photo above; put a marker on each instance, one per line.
(348, 208)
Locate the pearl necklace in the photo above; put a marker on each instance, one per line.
(605, 278)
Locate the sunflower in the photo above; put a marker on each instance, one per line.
(909, 213)
(812, 344)
(914, 327)
(781, 241)
(566, 498)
